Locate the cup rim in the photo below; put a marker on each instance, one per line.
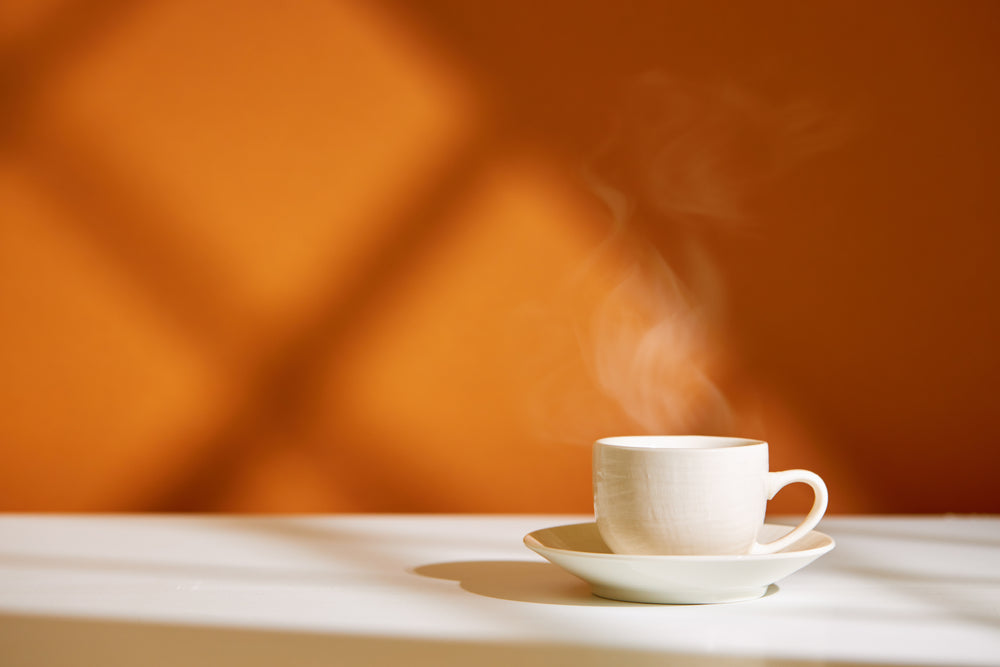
(679, 442)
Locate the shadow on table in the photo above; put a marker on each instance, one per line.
(523, 581)
(40, 641)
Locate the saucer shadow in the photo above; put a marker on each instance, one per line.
(525, 581)
(517, 580)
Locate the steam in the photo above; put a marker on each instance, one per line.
(693, 153)
(682, 161)
(650, 351)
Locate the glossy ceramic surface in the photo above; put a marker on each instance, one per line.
(579, 549)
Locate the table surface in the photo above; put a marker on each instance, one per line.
(462, 589)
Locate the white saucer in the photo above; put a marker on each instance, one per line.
(579, 549)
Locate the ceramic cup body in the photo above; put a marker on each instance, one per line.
(690, 495)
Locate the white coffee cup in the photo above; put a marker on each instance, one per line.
(691, 495)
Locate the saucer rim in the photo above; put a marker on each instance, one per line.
(723, 558)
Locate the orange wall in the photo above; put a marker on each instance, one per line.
(392, 256)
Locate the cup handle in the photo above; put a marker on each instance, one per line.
(775, 482)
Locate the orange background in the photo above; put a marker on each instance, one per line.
(396, 256)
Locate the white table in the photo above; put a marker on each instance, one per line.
(441, 590)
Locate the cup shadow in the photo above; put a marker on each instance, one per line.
(524, 581)
(517, 580)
